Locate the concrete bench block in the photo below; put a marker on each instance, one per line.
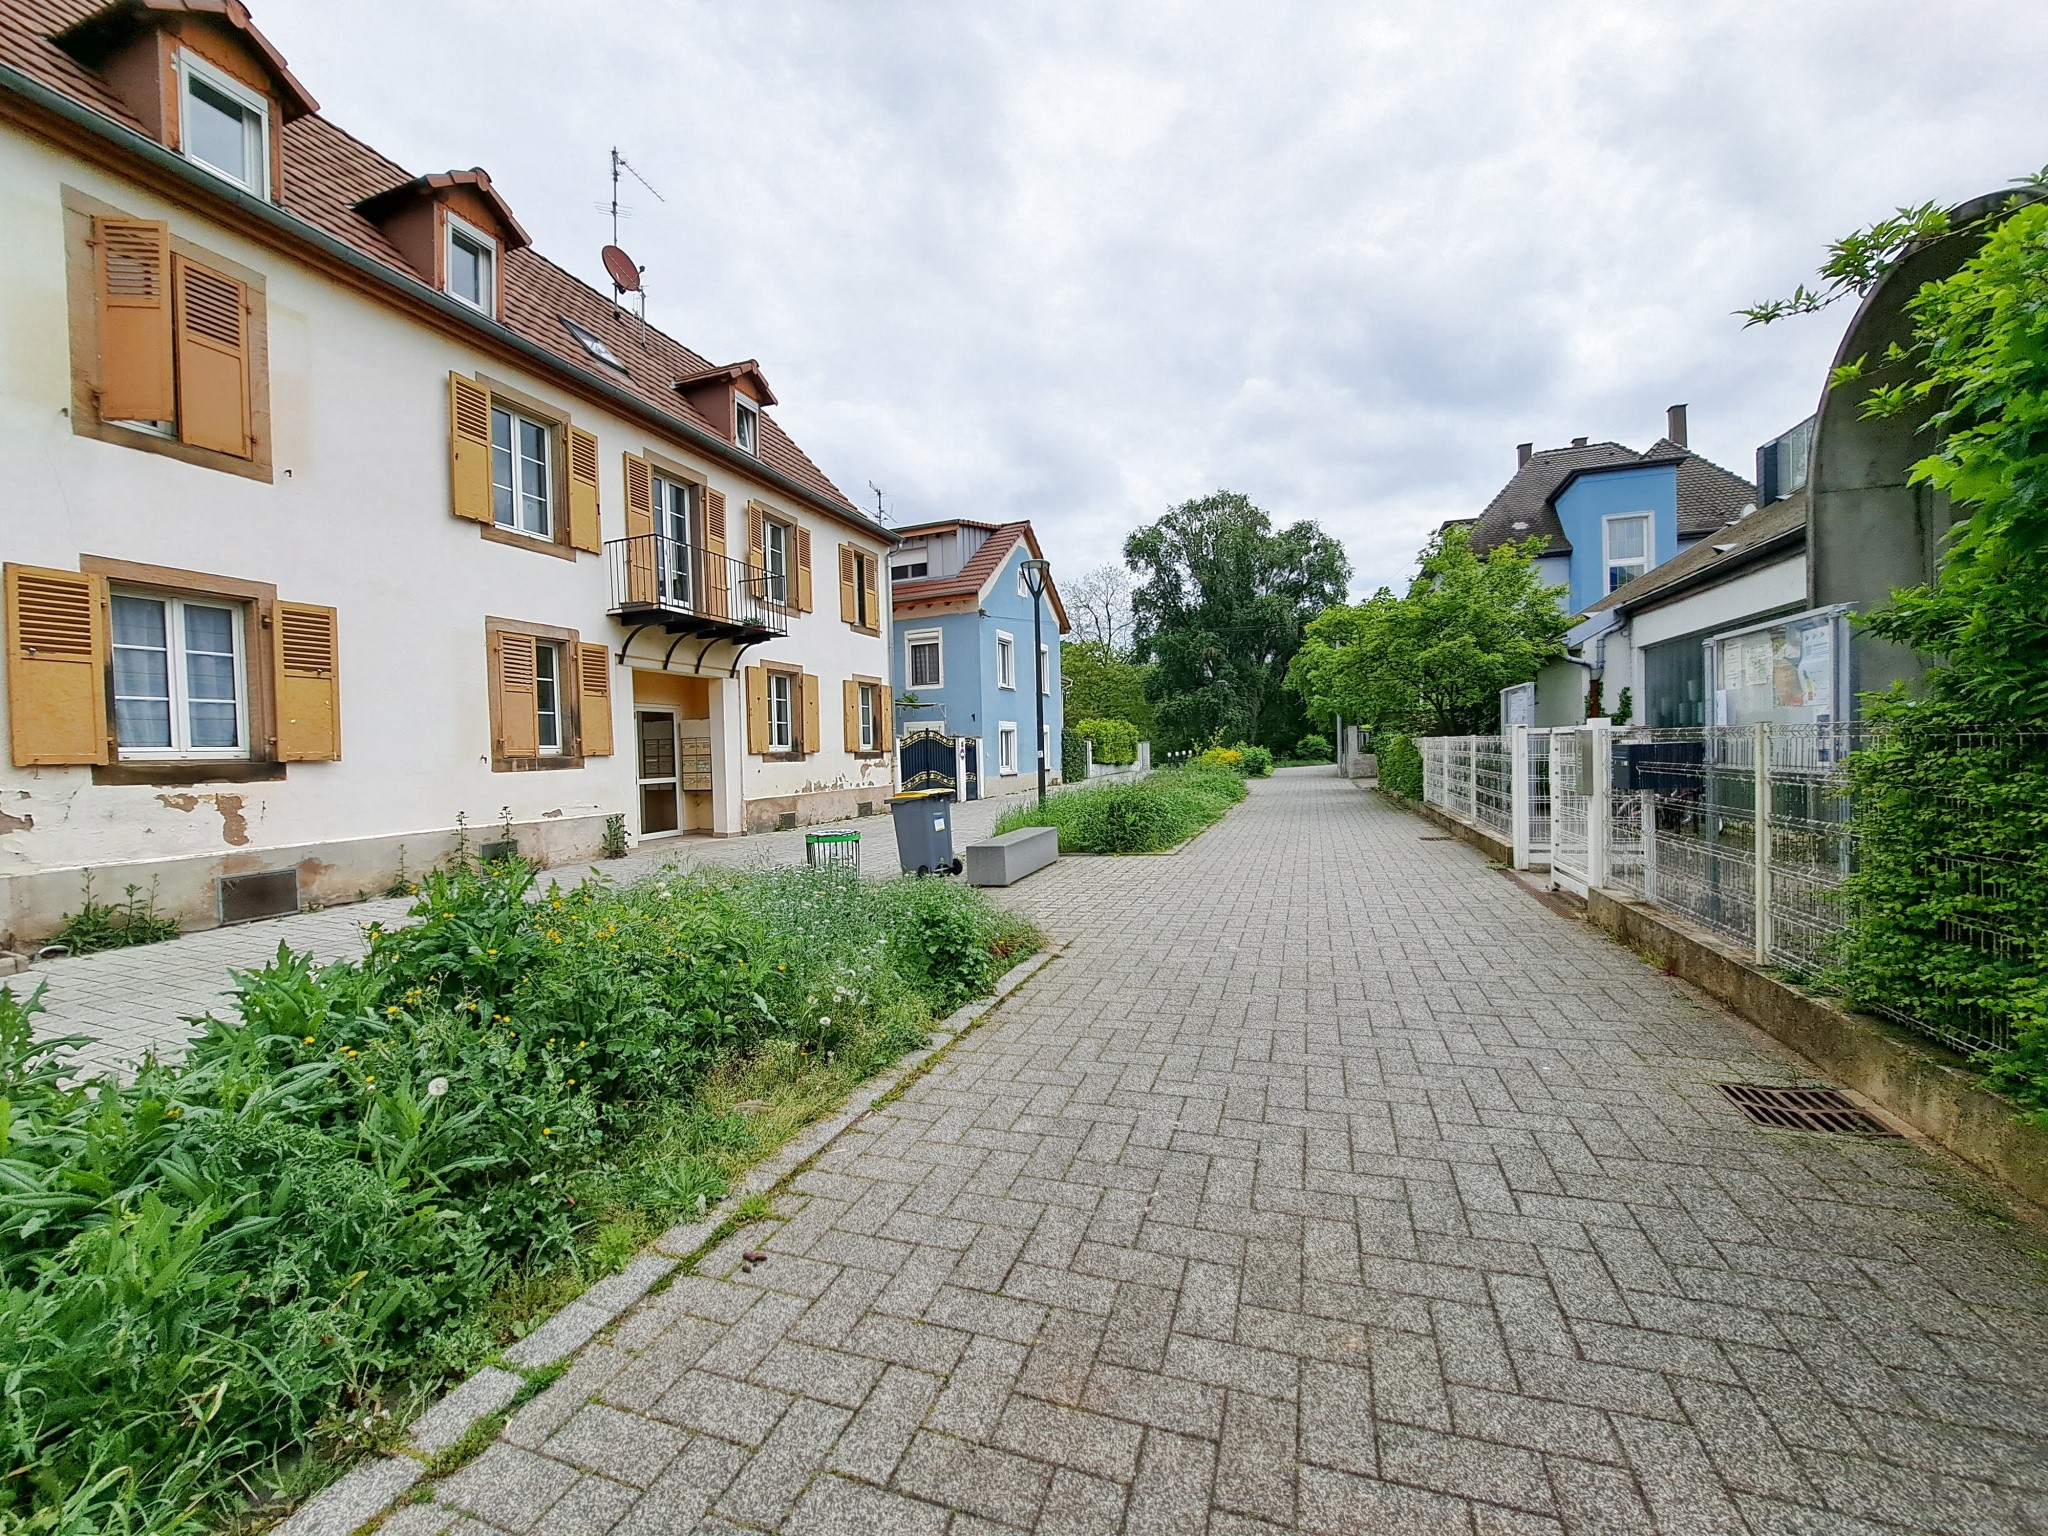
(1007, 859)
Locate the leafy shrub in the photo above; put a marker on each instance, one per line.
(1116, 741)
(1073, 758)
(1314, 748)
(1221, 757)
(1141, 816)
(1258, 761)
(370, 1175)
(1400, 763)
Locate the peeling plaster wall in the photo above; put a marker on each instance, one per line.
(357, 516)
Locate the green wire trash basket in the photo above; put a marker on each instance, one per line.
(832, 850)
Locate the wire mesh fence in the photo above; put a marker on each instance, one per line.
(1492, 786)
(1753, 833)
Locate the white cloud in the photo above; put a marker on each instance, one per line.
(1078, 262)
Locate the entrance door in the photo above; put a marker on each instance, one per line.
(660, 803)
(972, 746)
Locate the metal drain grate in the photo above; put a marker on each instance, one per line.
(1432, 839)
(1802, 1109)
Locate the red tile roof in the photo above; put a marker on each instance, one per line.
(969, 581)
(328, 172)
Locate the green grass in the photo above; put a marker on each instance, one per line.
(224, 1280)
(1147, 815)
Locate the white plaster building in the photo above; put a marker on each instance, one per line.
(333, 513)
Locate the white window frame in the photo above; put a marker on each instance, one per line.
(781, 712)
(677, 560)
(746, 424)
(775, 561)
(911, 570)
(1641, 563)
(1045, 669)
(181, 749)
(1006, 748)
(468, 233)
(1006, 660)
(936, 638)
(867, 717)
(547, 658)
(256, 134)
(547, 436)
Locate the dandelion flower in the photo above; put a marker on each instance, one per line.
(823, 1022)
(572, 1082)
(437, 1087)
(547, 1130)
(369, 1080)
(309, 1039)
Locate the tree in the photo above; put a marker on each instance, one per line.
(1220, 607)
(1101, 685)
(1434, 662)
(1100, 606)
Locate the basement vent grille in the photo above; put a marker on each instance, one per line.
(1801, 1109)
(244, 898)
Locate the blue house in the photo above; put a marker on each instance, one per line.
(962, 647)
(1607, 513)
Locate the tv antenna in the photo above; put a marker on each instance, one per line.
(625, 273)
(881, 511)
(621, 163)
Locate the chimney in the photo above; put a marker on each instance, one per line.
(1674, 424)
(1578, 442)
(1522, 452)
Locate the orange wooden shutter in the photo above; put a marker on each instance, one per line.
(212, 317)
(757, 537)
(849, 707)
(469, 448)
(814, 738)
(57, 658)
(132, 292)
(594, 681)
(885, 720)
(640, 568)
(718, 574)
(803, 569)
(307, 650)
(849, 600)
(517, 697)
(583, 522)
(757, 709)
(866, 569)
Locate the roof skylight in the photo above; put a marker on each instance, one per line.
(595, 345)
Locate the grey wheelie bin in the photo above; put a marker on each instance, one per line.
(924, 832)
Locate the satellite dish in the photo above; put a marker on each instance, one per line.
(625, 275)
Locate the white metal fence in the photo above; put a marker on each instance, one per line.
(1746, 831)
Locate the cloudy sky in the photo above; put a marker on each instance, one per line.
(1080, 262)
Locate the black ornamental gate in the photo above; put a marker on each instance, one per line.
(926, 761)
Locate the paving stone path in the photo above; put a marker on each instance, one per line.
(1327, 1182)
(132, 1001)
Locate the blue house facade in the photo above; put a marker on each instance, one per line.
(1608, 514)
(961, 646)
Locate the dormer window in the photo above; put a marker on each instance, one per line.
(472, 265)
(746, 425)
(225, 126)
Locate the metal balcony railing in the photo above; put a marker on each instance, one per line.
(692, 590)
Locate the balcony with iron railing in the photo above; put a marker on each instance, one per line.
(685, 589)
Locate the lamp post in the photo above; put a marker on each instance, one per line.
(1035, 574)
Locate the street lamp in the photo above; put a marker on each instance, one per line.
(1036, 574)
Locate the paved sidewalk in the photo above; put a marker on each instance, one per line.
(133, 1001)
(1327, 1182)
